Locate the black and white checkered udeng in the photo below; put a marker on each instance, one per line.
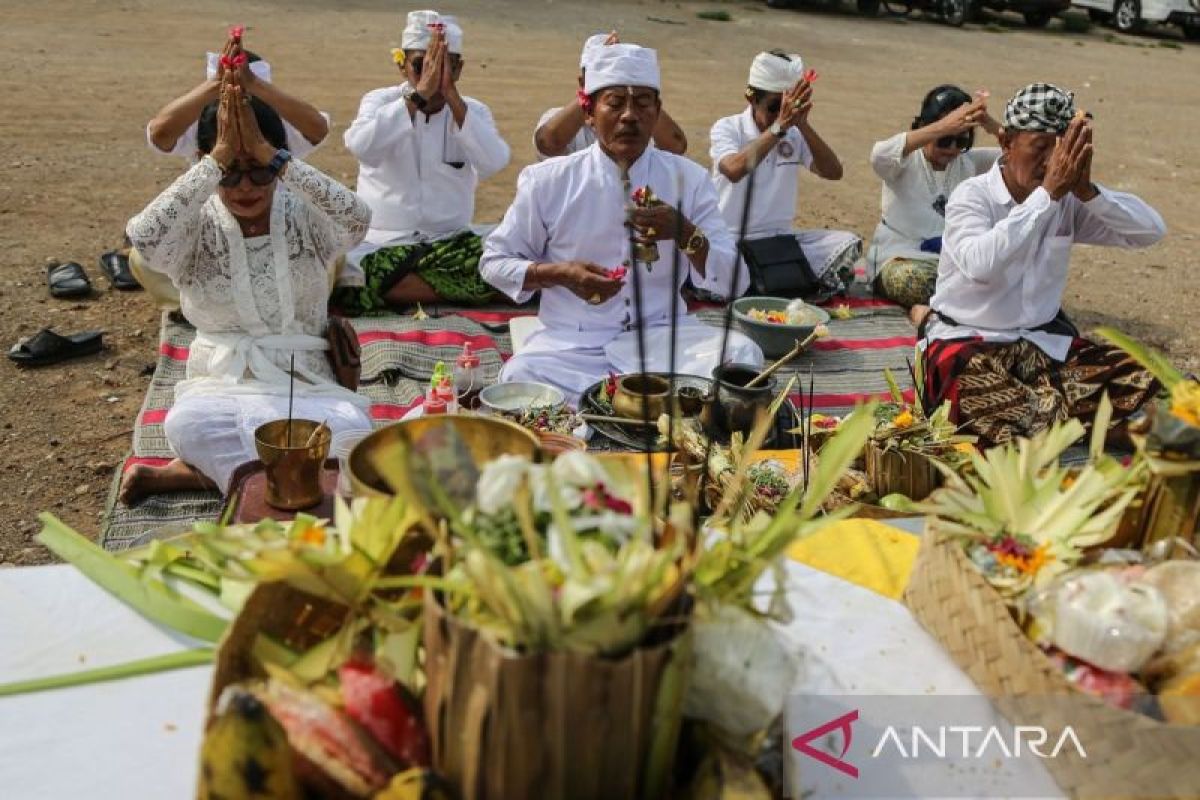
(1041, 108)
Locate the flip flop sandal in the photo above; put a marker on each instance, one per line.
(47, 347)
(68, 280)
(115, 266)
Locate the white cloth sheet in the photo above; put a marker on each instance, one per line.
(773, 200)
(255, 303)
(910, 188)
(419, 175)
(573, 208)
(140, 738)
(1004, 265)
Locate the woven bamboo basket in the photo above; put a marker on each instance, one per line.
(547, 725)
(1127, 752)
(909, 473)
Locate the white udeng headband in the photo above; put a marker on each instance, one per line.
(259, 69)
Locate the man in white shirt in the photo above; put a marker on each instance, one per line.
(566, 236)
(997, 343)
(766, 144)
(422, 149)
(562, 131)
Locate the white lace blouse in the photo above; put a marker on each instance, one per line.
(254, 302)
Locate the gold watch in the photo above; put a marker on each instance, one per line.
(694, 242)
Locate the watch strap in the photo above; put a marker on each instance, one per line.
(278, 161)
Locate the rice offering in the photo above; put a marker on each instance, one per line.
(797, 312)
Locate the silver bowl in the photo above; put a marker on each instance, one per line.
(775, 339)
(512, 399)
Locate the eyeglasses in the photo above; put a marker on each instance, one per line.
(962, 142)
(259, 176)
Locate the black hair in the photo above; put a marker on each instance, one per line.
(940, 101)
(268, 119)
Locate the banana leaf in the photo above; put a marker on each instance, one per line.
(150, 598)
(131, 669)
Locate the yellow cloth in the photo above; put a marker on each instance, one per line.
(870, 554)
(157, 285)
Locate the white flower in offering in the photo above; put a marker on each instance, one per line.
(822, 331)
(499, 482)
(578, 469)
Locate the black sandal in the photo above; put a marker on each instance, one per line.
(47, 347)
(115, 266)
(68, 280)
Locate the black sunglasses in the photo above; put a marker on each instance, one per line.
(962, 142)
(259, 176)
(774, 106)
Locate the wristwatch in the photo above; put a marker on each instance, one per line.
(777, 130)
(281, 158)
(694, 242)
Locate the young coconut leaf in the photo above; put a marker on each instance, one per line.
(130, 669)
(151, 599)
(1155, 362)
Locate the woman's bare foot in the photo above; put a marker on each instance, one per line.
(917, 315)
(141, 480)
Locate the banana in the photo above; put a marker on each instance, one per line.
(245, 753)
(415, 784)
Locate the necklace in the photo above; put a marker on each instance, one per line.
(939, 192)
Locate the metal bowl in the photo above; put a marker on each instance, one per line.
(487, 438)
(511, 399)
(775, 339)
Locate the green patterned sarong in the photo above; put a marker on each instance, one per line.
(450, 267)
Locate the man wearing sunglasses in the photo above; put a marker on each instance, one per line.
(563, 130)
(919, 169)
(770, 140)
(422, 149)
(996, 342)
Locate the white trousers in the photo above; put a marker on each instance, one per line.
(215, 433)
(550, 357)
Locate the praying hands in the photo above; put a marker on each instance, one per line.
(1069, 167)
(238, 134)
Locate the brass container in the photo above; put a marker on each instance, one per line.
(555, 444)
(293, 466)
(487, 438)
(646, 253)
(641, 396)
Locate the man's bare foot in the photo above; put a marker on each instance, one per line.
(917, 315)
(141, 480)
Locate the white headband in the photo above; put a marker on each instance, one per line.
(259, 69)
(418, 32)
(593, 44)
(772, 73)
(622, 65)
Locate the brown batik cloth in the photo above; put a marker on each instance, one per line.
(1002, 391)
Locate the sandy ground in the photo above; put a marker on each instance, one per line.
(79, 79)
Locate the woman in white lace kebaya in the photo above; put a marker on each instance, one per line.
(251, 261)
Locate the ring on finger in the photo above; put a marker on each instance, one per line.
(595, 299)
(651, 232)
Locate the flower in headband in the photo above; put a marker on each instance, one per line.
(398, 56)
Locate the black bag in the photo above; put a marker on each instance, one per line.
(778, 267)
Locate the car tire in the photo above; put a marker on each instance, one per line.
(868, 8)
(1098, 16)
(1127, 16)
(956, 12)
(1038, 19)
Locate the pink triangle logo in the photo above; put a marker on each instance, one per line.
(802, 743)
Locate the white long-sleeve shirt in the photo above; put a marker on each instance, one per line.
(419, 175)
(910, 190)
(1004, 265)
(573, 208)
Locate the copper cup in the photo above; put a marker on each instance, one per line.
(293, 471)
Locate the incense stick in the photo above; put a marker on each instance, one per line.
(291, 395)
(648, 442)
(808, 425)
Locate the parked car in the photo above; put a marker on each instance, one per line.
(1130, 16)
(955, 12)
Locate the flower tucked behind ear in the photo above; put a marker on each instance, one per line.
(398, 56)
